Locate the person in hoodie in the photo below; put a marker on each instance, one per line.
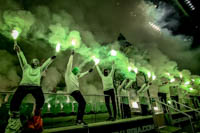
(108, 88)
(124, 98)
(30, 83)
(71, 79)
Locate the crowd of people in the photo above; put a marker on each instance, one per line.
(31, 83)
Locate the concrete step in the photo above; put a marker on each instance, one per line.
(169, 129)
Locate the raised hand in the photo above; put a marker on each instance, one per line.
(53, 57)
(91, 70)
(16, 47)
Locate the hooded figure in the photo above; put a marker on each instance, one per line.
(124, 98)
(108, 88)
(30, 83)
(71, 79)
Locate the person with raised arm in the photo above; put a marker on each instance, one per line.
(108, 88)
(124, 98)
(30, 84)
(72, 76)
(143, 98)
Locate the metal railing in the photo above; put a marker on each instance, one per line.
(189, 117)
(186, 106)
(95, 102)
(87, 95)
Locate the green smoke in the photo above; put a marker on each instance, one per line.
(58, 27)
(20, 20)
(58, 34)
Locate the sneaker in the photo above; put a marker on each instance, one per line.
(81, 122)
(109, 118)
(14, 125)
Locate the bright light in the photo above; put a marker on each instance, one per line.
(193, 80)
(96, 60)
(169, 102)
(73, 42)
(149, 74)
(181, 76)
(187, 83)
(49, 105)
(58, 47)
(155, 108)
(135, 70)
(113, 52)
(191, 89)
(15, 34)
(190, 4)
(172, 80)
(135, 105)
(153, 77)
(155, 27)
(129, 68)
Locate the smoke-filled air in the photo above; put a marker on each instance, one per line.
(130, 33)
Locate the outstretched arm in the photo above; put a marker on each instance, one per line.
(129, 84)
(46, 64)
(146, 88)
(99, 71)
(20, 55)
(85, 73)
(122, 84)
(141, 89)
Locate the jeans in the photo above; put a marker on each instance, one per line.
(163, 98)
(126, 111)
(81, 104)
(111, 94)
(22, 91)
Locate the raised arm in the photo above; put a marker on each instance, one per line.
(129, 84)
(20, 55)
(113, 70)
(46, 64)
(122, 84)
(85, 73)
(142, 88)
(70, 63)
(99, 71)
(146, 88)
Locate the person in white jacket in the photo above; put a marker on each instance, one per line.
(143, 98)
(124, 98)
(30, 83)
(108, 88)
(71, 79)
